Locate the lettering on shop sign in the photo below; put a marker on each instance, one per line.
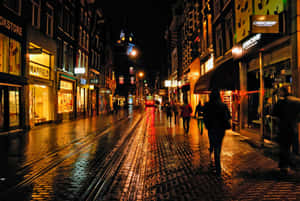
(11, 26)
(39, 71)
(251, 42)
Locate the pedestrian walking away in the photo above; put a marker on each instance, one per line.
(186, 111)
(285, 112)
(169, 112)
(199, 116)
(176, 111)
(216, 118)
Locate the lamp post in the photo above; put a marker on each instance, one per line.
(140, 76)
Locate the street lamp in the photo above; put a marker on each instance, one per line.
(141, 74)
(237, 52)
(133, 53)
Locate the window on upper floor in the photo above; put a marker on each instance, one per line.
(60, 47)
(49, 20)
(97, 41)
(80, 36)
(83, 39)
(85, 19)
(99, 61)
(36, 13)
(14, 5)
(68, 58)
(81, 15)
(67, 21)
(87, 41)
(219, 41)
(92, 58)
(60, 16)
(229, 31)
(217, 7)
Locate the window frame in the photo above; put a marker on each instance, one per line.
(34, 3)
(51, 17)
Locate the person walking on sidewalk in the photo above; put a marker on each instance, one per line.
(286, 111)
(186, 111)
(169, 112)
(176, 111)
(199, 116)
(216, 119)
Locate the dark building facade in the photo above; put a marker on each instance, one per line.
(12, 66)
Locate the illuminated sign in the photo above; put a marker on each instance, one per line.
(121, 80)
(209, 64)
(39, 71)
(132, 80)
(66, 85)
(251, 42)
(94, 81)
(265, 24)
(82, 81)
(11, 26)
(131, 70)
(79, 70)
(168, 83)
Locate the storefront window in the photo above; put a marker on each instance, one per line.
(10, 55)
(1, 108)
(39, 103)
(14, 107)
(65, 97)
(81, 99)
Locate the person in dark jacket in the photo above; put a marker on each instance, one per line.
(286, 111)
(216, 119)
(199, 116)
(169, 112)
(186, 111)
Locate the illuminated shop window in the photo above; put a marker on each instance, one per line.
(14, 111)
(65, 97)
(10, 55)
(39, 62)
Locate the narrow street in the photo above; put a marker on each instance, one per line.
(136, 155)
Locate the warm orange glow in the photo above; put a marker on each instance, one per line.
(133, 53)
(141, 74)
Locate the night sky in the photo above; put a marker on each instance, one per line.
(147, 20)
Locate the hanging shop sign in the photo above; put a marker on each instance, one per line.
(82, 81)
(39, 71)
(251, 42)
(94, 81)
(265, 24)
(79, 70)
(66, 85)
(11, 26)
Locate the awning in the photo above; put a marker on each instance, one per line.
(203, 83)
(224, 77)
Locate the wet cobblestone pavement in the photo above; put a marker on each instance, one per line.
(140, 157)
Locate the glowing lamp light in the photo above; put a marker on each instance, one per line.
(237, 51)
(168, 83)
(141, 74)
(133, 53)
(92, 87)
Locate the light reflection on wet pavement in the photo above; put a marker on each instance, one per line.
(140, 158)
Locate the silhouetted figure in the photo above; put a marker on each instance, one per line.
(176, 110)
(285, 112)
(186, 111)
(116, 107)
(216, 119)
(169, 112)
(199, 116)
